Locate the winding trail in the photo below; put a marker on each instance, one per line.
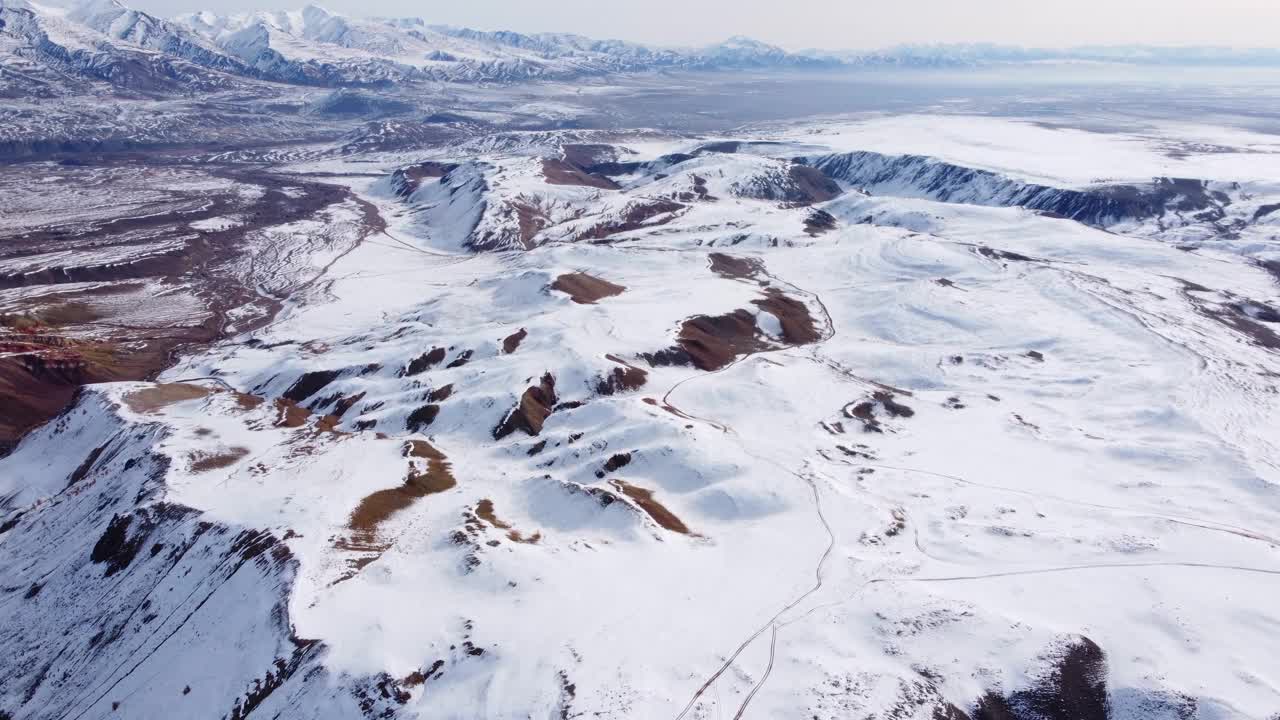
(772, 623)
(1201, 523)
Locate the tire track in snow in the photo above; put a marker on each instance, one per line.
(1201, 523)
(772, 623)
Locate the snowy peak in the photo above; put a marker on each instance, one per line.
(99, 40)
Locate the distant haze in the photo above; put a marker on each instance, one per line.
(829, 24)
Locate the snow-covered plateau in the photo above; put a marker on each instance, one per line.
(364, 405)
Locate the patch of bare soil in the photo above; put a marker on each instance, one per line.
(310, 384)
(585, 155)
(697, 192)
(812, 184)
(535, 406)
(614, 463)
(531, 221)
(248, 402)
(422, 418)
(881, 402)
(563, 172)
(1073, 686)
(732, 267)
(1002, 254)
(46, 355)
(657, 511)
(638, 214)
(621, 379)
(342, 404)
(798, 326)
(157, 397)
(380, 506)
(204, 462)
(1250, 318)
(484, 511)
(423, 450)
(423, 362)
(290, 414)
(202, 269)
(586, 289)
(711, 342)
(512, 341)
(408, 179)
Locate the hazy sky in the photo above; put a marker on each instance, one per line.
(850, 24)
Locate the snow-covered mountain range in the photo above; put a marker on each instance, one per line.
(346, 373)
(104, 40)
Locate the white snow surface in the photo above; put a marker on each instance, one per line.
(1090, 450)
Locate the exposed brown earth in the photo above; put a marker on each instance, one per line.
(484, 511)
(1073, 686)
(407, 180)
(204, 462)
(638, 214)
(343, 404)
(712, 342)
(994, 254)
(247, 402)
(621, 379)
(463, 358)
(423, 362)
(380, 506)
(585, 155)
(586, 289)
(798, 326)
(422, 417)
(865, 411)
(1253, 320)
(614, 463)
(310, 384)
(157, 397)
(199, 268)
(563, 172)
(289, 414)
(698, 192)
(423, 450)
(657, 511)
(732, 267)
(531, 221)
(533, 410)
(813, 185)
(512, 341)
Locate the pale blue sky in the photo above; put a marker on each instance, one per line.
(797, 24)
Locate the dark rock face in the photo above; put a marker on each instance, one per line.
(535, 406)
(1073, 687)
(405, 181)
(310, 384)
(1099, 206)
(512, 341)
(420, 364)
(421, 418)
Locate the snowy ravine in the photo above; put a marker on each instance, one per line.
(913, 417)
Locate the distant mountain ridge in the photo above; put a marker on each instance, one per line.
(47, 45)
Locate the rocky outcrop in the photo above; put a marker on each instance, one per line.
(534, 408)
(1101, 206)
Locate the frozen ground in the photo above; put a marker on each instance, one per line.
(911, 416)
